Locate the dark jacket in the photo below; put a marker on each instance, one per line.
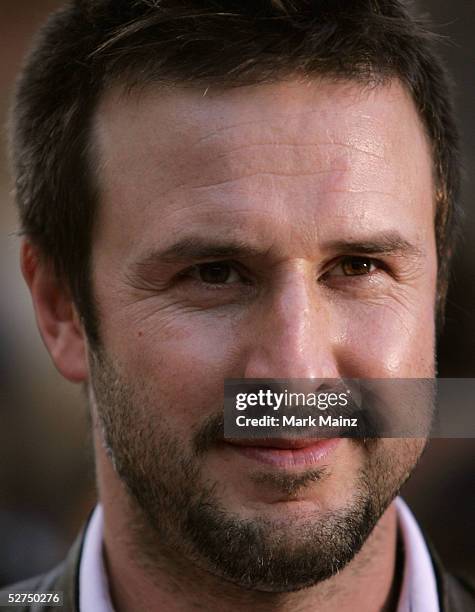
(455, 594)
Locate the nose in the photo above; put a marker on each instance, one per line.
(289, 334)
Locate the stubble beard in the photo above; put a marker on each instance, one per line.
(178, 513)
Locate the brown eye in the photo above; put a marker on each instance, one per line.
(354, 266)
(215, 273)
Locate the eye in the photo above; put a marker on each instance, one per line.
(214, 273)
(354, 266)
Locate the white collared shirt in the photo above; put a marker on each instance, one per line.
(418, 590)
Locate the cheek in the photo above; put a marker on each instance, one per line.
(183, 361)
(388, 340)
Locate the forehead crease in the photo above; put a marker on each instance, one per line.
(183, 114)
(320, 137)
(158, 156)
(185, 123)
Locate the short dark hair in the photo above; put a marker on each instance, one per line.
(90, 44)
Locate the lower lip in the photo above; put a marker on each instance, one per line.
(287, 458)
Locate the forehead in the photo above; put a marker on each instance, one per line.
(314, 154)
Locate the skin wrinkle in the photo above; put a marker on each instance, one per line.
(301, 146)
(198, 202)
(349, 145)
(331, 171)
(156, 328)
(247, 176)
(392, 293)
(306, 115)
(142, 281)
(194, 188)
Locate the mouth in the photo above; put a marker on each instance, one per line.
(285, 453)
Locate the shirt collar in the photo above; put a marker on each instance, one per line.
(419, 586)
(93, 584)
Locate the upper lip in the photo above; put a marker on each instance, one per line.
(284, 443)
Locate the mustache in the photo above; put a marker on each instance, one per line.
(209, 435)
(370, 425)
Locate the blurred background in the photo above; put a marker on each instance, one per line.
(46, 465)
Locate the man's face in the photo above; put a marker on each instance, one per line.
(284, 230)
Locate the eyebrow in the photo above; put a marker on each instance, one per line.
(196, 248)
(384, 243)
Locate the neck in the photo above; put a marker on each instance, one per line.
(173, 583)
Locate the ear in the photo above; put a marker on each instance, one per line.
(56, 315)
